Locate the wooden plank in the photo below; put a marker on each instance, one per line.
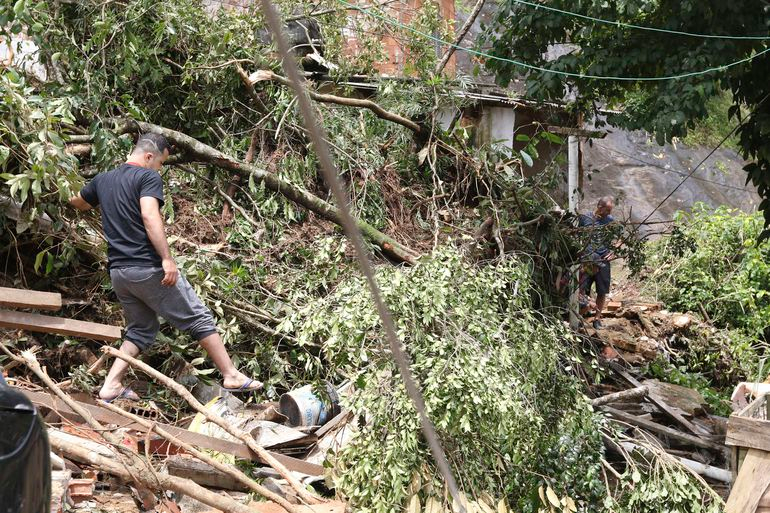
(237, 449)
(748, 432)
(20, 298)
(341, 417)
(58, 325)
(660, 404)
(665, 430)
(753, 480)
(203, 473)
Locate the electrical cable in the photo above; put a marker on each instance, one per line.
(725, 138)
(330, 173)
(532, 67)
(678, 172)
(638, 27)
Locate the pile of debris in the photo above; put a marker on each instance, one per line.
(667, 416)
(637, 332)
(115, 456)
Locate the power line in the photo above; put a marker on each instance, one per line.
(486, 55)
(664, 168)
(725, 138)
(638, 27)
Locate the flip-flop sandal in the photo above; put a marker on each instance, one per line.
(126, 393)
(246, 387)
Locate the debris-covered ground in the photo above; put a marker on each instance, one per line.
(471, 253)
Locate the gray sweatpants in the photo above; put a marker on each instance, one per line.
(144, 299)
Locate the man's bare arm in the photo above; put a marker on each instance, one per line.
(153, 224)
(79, 203)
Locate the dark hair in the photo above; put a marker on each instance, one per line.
(152, 143)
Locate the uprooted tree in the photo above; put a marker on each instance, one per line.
(253, 227)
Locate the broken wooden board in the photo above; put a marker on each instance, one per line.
(326, 507)
(660, 404)
(749, 427)
(664, 430)
(21, 298)
(645, 346)
(752, 483)
(239, 450)
(273, 435)
(58, 325)
(686, 400)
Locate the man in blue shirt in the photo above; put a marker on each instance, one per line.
(143, 272)
(597, 256)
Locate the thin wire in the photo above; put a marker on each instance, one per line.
(486, 55)
(678, 172)
(318, 137)
(725, 138)
(638, 27)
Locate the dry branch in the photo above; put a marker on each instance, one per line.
(219, 421)
(460, 36)
(206, 153)
(152, 480)
(624, 395)
(226, 469)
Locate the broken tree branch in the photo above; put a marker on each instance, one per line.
(206, 153)
(219, 421)
(226, 469)
(341, 100)
(460, 36)
(624, 395)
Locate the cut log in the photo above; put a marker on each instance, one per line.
(664, 430)
(20, 298)
(58, 325)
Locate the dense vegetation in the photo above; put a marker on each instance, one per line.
(479, 313)
(712, 265)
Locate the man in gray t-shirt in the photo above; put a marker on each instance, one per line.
(143, 272)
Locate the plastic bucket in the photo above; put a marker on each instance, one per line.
(304, 408)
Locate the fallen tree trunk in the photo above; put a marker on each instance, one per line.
(205, 153)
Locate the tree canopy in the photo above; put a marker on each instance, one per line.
(595, 38)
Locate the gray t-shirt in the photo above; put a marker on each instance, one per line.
(117, 192)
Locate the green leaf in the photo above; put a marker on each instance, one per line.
(39, 260)
(18, 7)
(526, 157)
(5, 152)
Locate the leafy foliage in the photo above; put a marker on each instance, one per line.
(713, 262)
(491, 369)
